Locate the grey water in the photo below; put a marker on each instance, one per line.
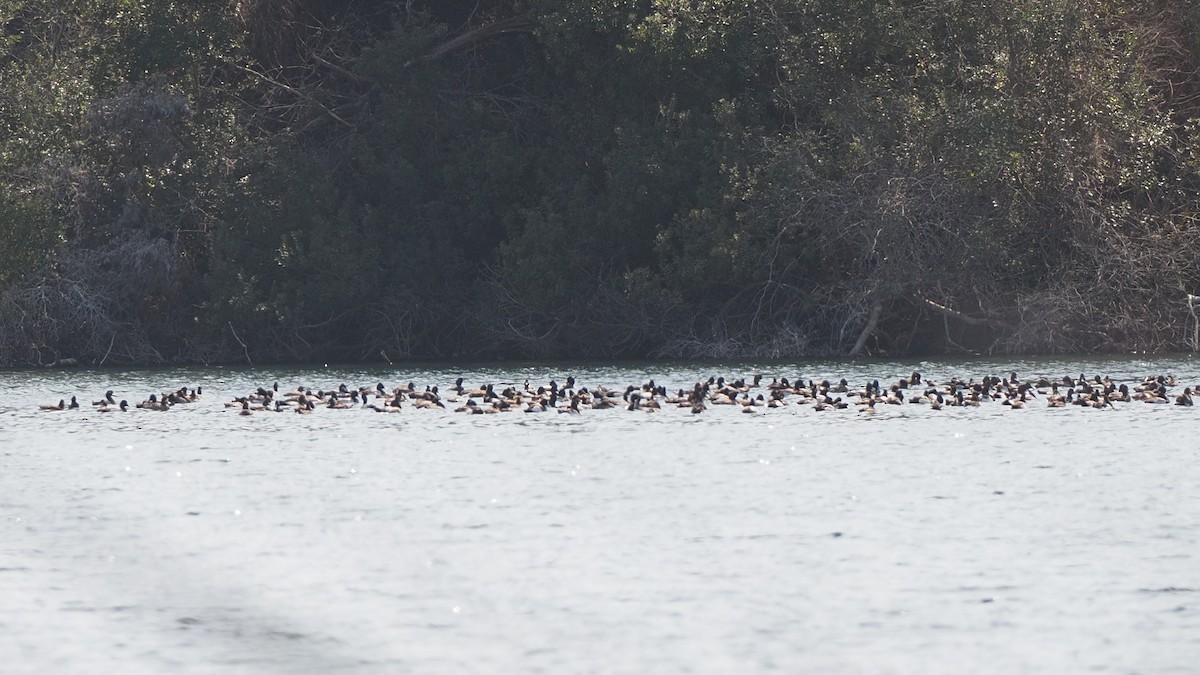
(198, 540)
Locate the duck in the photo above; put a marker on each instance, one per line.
(650, 403)
(389, 406)
(1155, 395)
(484, 392)
(61, 405)
(572, 409)
(1185, 398)
(107, 400)
(153, 403)
(1057, 400)
(430, 403)
(470, 407)
(603, 402)
(778, 384)
(123, 407)
(634, 398)
(749, 402)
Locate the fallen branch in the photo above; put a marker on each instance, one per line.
(965, 318)
(872, 321)
(110, 346)
(297, 92)
(514, 24)
(245, 350)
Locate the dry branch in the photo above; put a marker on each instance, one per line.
(868, 330)
(514, 24)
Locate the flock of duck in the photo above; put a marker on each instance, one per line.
(751, 396)
(108, 403)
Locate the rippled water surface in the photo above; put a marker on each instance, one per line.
(964, 540)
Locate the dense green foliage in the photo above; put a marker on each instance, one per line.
(183, 180)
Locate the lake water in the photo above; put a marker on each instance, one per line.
(963, 540)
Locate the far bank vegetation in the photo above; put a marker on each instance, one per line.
(291, 180)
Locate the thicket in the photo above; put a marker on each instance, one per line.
(264, 180)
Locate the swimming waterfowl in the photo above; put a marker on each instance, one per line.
(153, 403)
(634, 399)
(428, 403)
(1057, 400)
(572, 409)
(123, 407)
(389, 406)
(1095, 391)
(1155, 395)
(823, 403)
(603, 403)
(61, 405)
(724, 397)
(1015, 403)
